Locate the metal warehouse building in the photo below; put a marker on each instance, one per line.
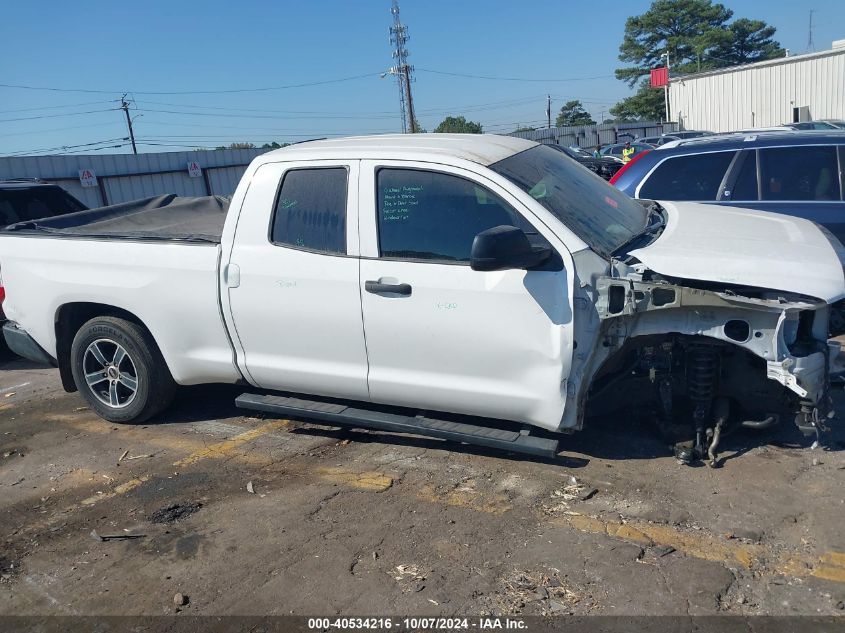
(99, 180)
(788, 89)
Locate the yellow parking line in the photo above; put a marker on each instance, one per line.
(117, 490)
(370, 480)
(701, 544)
(227, 447)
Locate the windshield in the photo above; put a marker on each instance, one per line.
(598, 213)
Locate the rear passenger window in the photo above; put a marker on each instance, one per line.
(435, 216)
(800, 173)
(694, 177)
(745, 187)
(311, 210)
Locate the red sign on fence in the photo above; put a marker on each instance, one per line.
(659, 77)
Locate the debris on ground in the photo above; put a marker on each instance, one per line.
(410, 577)
(174, 512)
(180, 599)
(7, 569)
(140, 456)
(573, 491)
(249, 488)
(125, 453)
(114, 537)
(539, 593)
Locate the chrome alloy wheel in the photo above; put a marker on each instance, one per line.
(110, 373)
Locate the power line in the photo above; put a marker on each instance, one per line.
(57, 129)
(546, 80)
(65, 147)
(55, 107)
(53, 116)
(194, 92)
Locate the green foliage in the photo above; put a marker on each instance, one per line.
(573, 113)
(458, 125)
(686, 28)
(525, 129)
(237, 146)
(750, 41)
(697, 35)
(274, 145)
(647, 104)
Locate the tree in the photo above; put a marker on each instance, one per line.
(242, 145)
(274, 145)
(697, 36)
(647, 104)
(458, 125)
(525, 128)
(750, 41)
(687, 29)
(573, 113)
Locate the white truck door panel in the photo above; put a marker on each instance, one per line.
(443, 336)
(297, 310)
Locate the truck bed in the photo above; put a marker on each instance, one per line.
(167, 217)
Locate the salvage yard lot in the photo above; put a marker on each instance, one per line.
(352, 522)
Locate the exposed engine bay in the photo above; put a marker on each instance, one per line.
(702, 359)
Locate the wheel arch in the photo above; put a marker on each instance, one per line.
(72, 316)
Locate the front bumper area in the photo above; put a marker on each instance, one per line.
(22, 344)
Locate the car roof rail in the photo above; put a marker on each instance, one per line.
(36, 180)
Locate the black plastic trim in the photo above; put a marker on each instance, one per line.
(342, 415)
(22, 344)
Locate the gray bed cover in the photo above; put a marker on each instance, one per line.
(167, 217)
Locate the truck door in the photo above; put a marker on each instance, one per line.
(292, 280)
(441, 336)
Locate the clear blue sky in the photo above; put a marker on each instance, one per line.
(159, 46)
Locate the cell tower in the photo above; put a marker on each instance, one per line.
(402, 70)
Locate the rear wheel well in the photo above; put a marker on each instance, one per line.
(69, 318)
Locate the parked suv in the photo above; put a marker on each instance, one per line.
(30, 199)
(796, 173)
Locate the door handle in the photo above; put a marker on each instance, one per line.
(377, 287)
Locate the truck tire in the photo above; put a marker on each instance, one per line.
(120, 371)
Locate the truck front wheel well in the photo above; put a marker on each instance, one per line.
(72, 316)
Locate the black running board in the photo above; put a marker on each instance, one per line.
(342, 415)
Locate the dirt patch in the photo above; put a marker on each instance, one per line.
(174, 512)
(540, 593)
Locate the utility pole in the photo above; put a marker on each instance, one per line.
(666, 86)
(549, 111)
(124, 105)
(402, 70)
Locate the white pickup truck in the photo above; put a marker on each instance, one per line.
(408, 282)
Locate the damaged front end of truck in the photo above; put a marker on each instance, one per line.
(703, 359)
(703, 356)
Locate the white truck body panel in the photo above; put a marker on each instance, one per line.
(171, 287)
(517, 323)
(736, 246)
(296, 313)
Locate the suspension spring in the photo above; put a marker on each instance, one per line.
(702, 372)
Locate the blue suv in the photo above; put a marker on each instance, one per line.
(796, 173)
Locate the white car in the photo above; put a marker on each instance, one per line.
(449, 275)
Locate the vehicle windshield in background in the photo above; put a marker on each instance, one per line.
(599, 214)
(32, 203)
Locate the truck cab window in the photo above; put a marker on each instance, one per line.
(311, 210)
(435, 216)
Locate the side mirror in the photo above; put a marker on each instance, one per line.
(504, 248)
